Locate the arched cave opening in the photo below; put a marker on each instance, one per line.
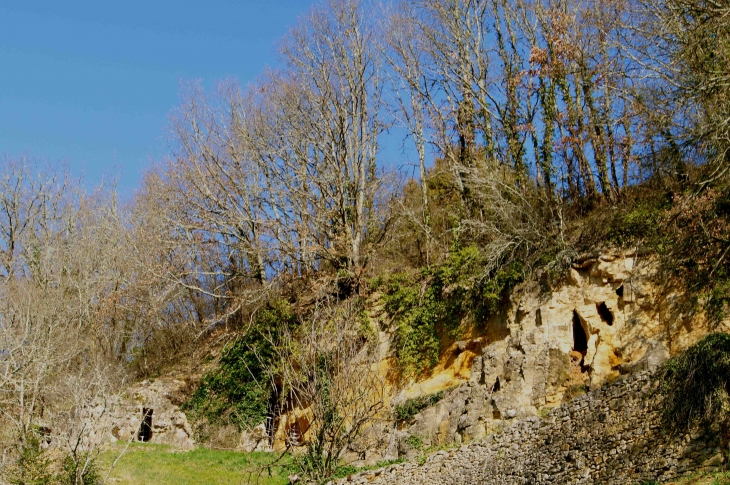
(145, 429)
(580, 339)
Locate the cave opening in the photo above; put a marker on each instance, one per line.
(604, 313)
(580, 339)
(145, 429)
(273, 411)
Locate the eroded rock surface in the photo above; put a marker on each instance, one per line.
(609, 317)
(168, 424)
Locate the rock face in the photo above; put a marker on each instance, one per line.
(554, 341)
(166, 424)
(608, 318)
(613, 436)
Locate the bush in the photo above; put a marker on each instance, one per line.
(695, 385)
(415, 442)
(431, 304)
(79, 471)
(35, 467)
(237, 391)
(643, 221)
(699, 251)
(32, 465)
(411, 407)
(415, 314)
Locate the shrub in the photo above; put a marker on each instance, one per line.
(32, 465)
(410, 407)
(79, 470)
(695, 385)
(699, 249)
(237, 391)
(416, 314)
(415, 442)
(640, 222)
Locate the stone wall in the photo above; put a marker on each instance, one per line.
(612, 435)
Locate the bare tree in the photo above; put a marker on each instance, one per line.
(65, 262)
(404, 53)
(680, 49)
(335, 387)
(333, 60)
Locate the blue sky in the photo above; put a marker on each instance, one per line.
(90, 83)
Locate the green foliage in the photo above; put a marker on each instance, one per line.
(722, 479)
(695, 385)
(494, 291)
(365, 328)
(33, 465)
(343, 471)
(410, 407)
(718, 300)
(433, 303)
(643, 221)
(415, 442)
(384, 463)
(80, 470)
(416, 312)
(237, 391)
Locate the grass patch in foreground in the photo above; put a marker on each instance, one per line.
(718, 478)
(144, 464)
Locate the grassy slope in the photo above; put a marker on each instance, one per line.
(162, 465)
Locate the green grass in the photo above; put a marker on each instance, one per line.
(144, 464)
(700, 478)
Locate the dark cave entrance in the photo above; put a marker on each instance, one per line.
(604, 313)
(580, 339)
(145, 429)
(273, 411)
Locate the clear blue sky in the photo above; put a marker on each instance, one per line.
(91, 83)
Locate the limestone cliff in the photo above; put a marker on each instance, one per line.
(609, 316)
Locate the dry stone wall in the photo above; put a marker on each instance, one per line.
(612, 435)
